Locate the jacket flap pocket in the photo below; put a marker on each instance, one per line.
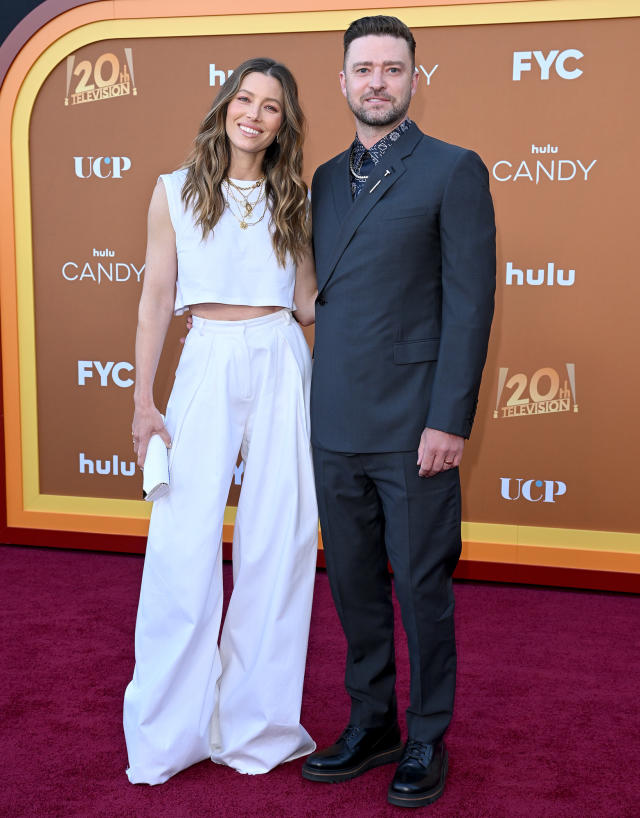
(409, 212)
(414, 352)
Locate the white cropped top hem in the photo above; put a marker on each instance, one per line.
(230, 266)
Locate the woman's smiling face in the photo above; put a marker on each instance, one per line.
(254, 115)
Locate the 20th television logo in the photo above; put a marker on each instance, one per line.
(105, 78)
(540, 394)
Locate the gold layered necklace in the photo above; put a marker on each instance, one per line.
(238, 199)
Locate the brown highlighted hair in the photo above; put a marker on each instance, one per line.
(379, 24)
(285, 188)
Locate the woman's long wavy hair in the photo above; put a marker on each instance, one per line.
(286, 191)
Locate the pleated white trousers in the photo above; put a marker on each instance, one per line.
(239, 385)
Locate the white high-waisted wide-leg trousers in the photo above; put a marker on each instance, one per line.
(239, 385)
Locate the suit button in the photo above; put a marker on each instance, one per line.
(320, 301)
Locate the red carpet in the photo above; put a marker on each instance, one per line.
(546, 719)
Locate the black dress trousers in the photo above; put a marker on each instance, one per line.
(373, 508)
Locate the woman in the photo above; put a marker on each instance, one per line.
(228, 236)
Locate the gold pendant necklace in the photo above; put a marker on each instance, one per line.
(253, 185)
(249, 207)
(244, 201)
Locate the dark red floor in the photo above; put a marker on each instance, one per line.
(546, 719)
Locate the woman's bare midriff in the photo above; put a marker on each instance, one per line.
(230, 312)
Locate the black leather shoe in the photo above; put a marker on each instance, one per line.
(419, 779)
(357, 750)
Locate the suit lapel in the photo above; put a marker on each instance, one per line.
(387, 172)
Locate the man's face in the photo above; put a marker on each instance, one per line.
(378, 79)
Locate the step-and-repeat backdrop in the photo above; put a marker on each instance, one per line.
(550, 473)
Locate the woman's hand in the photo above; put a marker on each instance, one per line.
(147, 421)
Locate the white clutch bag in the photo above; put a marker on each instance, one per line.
(155, 473)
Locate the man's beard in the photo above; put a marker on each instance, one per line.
(381, 117)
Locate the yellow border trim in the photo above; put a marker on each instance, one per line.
(102, 515)
(567, 538)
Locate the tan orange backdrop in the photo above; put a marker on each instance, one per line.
(550, 108)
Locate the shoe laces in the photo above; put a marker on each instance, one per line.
(418, 751)
(350, 733)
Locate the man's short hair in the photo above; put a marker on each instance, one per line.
(379, 24)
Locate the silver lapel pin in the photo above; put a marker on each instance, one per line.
(386, 173)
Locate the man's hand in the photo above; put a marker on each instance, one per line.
(438, 451)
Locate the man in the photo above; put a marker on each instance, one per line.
(404, 243)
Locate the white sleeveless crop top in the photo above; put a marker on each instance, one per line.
(230, 266)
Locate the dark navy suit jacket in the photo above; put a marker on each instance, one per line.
(406, 279)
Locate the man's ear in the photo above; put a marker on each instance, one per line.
(343, 83)
(414, 80)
